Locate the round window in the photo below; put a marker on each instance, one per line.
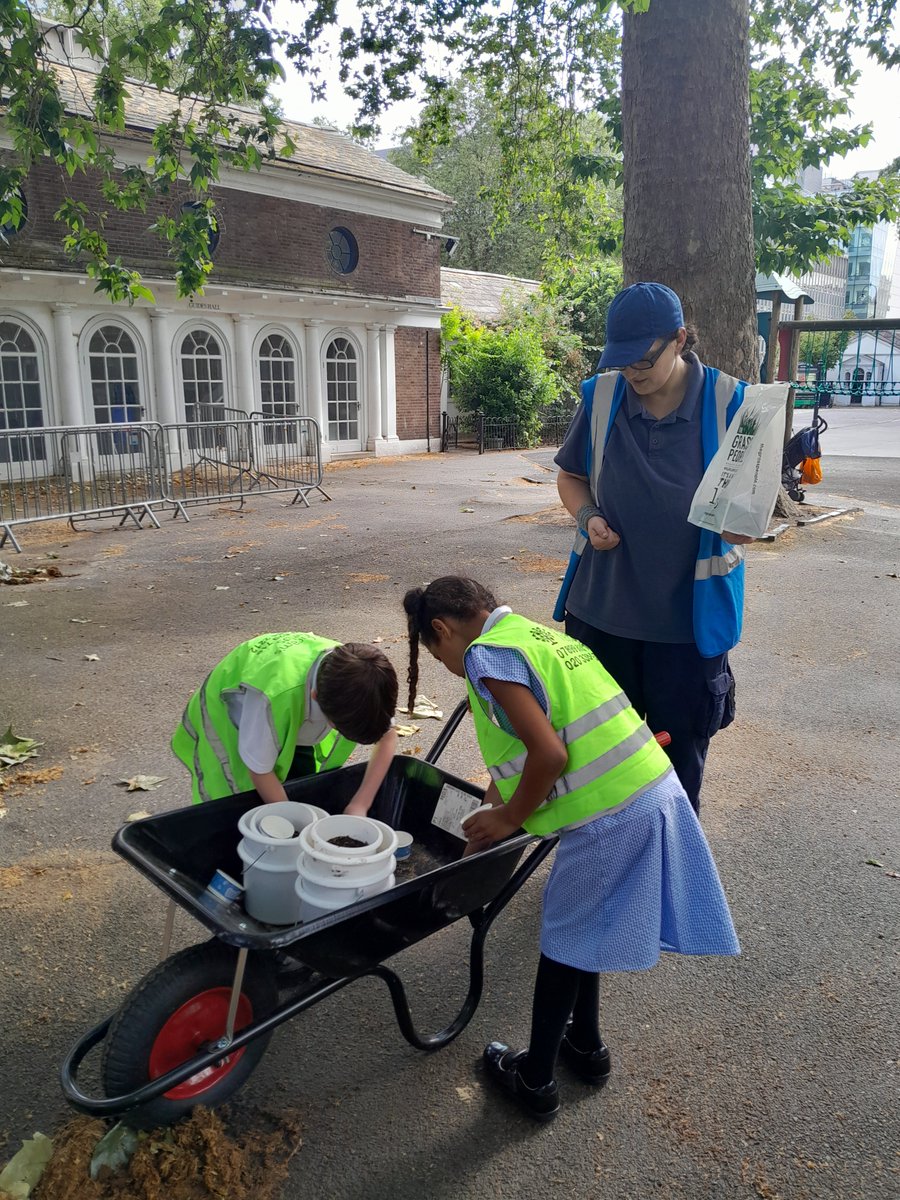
(10, 228)
(342, 251)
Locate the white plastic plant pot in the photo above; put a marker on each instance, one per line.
(334, 899)
(330, 863)
(279, 848)
(317, 872)
(270, 859)
(360, 829)
(356, 889)
(270, 895)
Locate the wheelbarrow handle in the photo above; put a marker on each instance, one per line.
(453, 723)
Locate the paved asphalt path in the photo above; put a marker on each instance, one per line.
(773, 1075)
(858, 432)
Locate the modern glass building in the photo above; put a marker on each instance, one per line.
(870, 269)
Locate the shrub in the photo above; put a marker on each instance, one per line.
(503, 373)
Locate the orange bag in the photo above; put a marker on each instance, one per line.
(811, 471)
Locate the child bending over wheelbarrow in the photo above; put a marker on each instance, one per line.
(286, 705)
(568, 754)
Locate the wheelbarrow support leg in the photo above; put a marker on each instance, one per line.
(482, 922)
(235, 997)
(167, 931)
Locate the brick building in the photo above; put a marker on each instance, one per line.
(325, 300)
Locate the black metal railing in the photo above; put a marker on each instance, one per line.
(837, 363)
(475, 431)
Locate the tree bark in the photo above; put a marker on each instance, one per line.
(686, 142)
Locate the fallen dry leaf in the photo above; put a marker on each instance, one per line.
(423, 707)
(143, 783)
(15, 749)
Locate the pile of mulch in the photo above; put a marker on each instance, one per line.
(13, 575)
(202, 1158)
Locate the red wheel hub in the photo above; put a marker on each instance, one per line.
(194, 1027)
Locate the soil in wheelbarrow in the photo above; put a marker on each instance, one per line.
(206, 1157)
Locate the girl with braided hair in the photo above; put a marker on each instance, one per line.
(568, 755)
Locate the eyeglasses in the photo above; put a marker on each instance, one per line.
(647, 364)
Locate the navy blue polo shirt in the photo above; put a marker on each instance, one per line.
(642, 589)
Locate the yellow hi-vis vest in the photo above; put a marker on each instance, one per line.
(613, 756)
(281, 666)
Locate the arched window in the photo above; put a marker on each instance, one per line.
(342, 391)
(21, 402)
(115, 380)
(277, 377)
(278, 388)
(203, 376)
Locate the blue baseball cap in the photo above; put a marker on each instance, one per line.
(638, 316)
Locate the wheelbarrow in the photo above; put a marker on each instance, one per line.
(192, 1031)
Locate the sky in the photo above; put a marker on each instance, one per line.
(877, 102)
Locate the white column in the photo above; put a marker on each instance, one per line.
(165, 409)
(69, 410)
(245, 392)
(373, 387)
(388, 385)
(314, 405)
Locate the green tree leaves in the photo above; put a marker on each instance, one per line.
(503, 373)
(548, 71)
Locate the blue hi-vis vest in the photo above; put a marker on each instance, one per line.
(719, 571)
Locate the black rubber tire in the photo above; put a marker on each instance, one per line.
(126, 1053)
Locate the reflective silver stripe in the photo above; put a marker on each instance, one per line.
(188, 726)
(215, 742)
(591, 720)
(725, 386)
(599, 766)
(719, 564)
(568, 734)
(604, 392)
(608, 812)
(509, 769)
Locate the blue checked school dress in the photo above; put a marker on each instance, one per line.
(628, 885)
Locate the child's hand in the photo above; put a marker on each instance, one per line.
(482, 829)
(358, 807)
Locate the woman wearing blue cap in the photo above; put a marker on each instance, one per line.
(658, 600)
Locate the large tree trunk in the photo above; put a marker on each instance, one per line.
(686, 126)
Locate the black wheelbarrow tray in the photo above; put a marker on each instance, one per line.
(193, 1029)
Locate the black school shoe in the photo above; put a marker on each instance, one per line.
(541, 1104)
(593, 1066)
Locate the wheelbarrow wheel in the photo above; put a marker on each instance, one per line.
(176, 1011)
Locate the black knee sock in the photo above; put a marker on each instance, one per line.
(555, 991)
(585, 1031)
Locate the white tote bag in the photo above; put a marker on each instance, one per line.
(740, 486)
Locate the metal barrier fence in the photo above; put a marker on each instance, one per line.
(841, 362)
(77, 473)
(67, 472)
(228, 460)
(488, 433)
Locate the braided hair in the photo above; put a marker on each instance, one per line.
(450, 596)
